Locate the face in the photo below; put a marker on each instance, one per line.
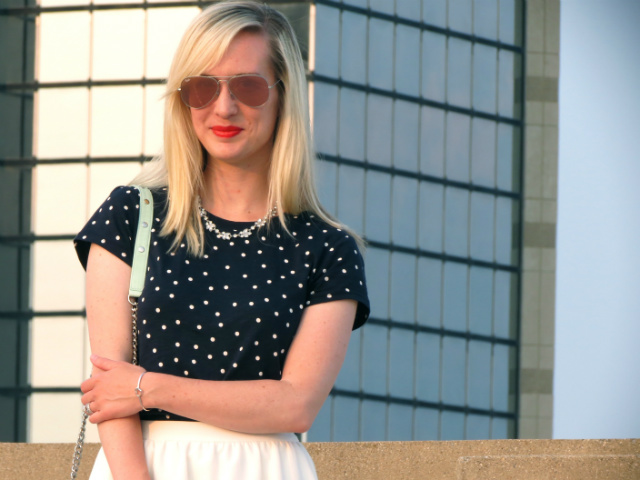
(230, 131)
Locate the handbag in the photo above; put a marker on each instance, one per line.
(136, 284)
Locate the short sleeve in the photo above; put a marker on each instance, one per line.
(339, 275)
(112, 226)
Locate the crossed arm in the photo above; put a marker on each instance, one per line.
(258, 406)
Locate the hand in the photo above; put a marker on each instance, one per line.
(111, 392)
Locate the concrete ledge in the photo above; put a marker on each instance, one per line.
(461, 460)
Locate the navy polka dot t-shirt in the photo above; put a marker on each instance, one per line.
(232, 314)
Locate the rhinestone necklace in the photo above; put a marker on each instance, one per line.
(209, 225)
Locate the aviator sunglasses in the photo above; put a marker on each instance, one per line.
(248, 88)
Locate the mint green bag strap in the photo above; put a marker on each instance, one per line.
(141, 247)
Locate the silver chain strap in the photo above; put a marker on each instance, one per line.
(77, 452)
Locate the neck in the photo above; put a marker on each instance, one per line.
(234, 192)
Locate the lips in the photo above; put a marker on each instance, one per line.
(226, 131)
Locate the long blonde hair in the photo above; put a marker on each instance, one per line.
(180, 166)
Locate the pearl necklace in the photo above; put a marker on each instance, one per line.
(209, 225)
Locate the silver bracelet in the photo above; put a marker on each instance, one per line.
(139, 391)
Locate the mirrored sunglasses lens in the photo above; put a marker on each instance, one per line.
(197, 92)
(251, 90)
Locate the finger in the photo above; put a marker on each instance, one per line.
(87, 385)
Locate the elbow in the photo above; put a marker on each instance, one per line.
(301, 417)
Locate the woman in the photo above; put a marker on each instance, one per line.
(248, 278)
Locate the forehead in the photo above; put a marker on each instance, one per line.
(248, 52)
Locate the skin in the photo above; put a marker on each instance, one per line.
(236, 179)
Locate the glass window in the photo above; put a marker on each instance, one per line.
(104, 177)
(384, 6)
(508, 172)
(327, 54)
(507, 75)
(378, 281)
(400, 422)
(349, 376)
(430, 215)
(405, 204)
(354, 43)
(409, 9)
(118, 56)
(500, 381)
(434, 70)
(460, 15)
(327, 181)
(429, 292)
(479, 376)
(345, 419)
(455, 296)
(482, 223)
(116, 121)
(321, 429)
(325, 113)
(501, 428)
(47, 428)
(352, 124)
(428, 367)
(506, 222)
(57, 139)
(60, 188)
(504, 304)
(485, 20)
(483, 152)
(351, 196)
(374, 426)
(480, 300)
(356, 3)
(380, 53)
(426, 424)
(153, 119)
(405, 135)
(509, 21)
(401, 357)
(378, 207)
(64, 47)
(374, 359)
(458, 151)
(459, 72)
(452, 425)
(432, 131)
(434, 12)
(485, 83)
(403, 287)
(49, 293)
(456, 221)
(407, 60)
(379, 128)
(478, 427)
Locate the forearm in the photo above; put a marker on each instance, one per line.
(123, 446)
(251, 406)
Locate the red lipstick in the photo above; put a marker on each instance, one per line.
(226, 131)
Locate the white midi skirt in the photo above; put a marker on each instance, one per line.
(196, 451)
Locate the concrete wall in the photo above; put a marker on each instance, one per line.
(463, 460)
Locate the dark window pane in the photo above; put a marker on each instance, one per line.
(426, 424)
(374, 359)
(478, 427)
(430, 216)
(452, 426)
(400, 422)
(479, 381)
(374, 425)
(378, 206)
(405, 204)
(454, 361)
(403, 287)
(480, 300)
(429, 292)
(401, 356)
(428, 367)
(455, 296)
(345, 419)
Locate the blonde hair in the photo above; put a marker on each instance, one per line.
(180, 166)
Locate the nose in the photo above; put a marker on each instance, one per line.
(225, 105)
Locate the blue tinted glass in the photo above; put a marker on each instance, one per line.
(345, 419)
(351, 196)
(452, 426)
(454, 363)
(508, 157)
(380, 53)
(352, 120)
(405, 204)
(479, 376)
(374, 424)
(500, 428)
(434, 66)
(384, 6)
(428, 367)
(327, 181)
(509, 21)
(478, 427)
(481, 228)
(378, 281)
(426, 425)
(430, 216)
(353, 66)
(505, 224)
(401, 356)
(374, 359)
(458, 143)
(349, 376)
(480, 300)
(432, 141)
(456, 221)
(321, 429)
(327, 47)
(379, 128)
(429, 292)
(500, 378)
(483, 152)
(400, 422)
(357, 3)
(325, 112)
(408, 9)
(407, 60)
(504, 301)
(460, 15)
(485, 66)
(459, 72)
(378, 207)
(455, 296)
(403, 287)
(434, 12)
(506, 83)
(485, 18)
(405, 135)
